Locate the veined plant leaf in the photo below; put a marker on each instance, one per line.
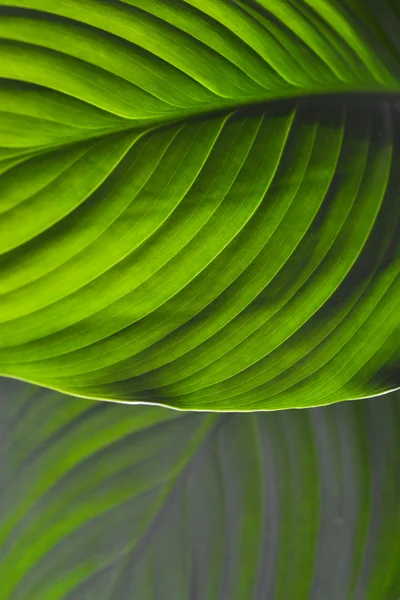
(200, 200)
(101, 501)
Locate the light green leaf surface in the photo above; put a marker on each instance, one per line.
(200, 200)
(101, 501)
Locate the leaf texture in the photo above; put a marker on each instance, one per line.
(104, 501)
(200, 200)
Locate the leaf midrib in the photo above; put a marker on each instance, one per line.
(204, 112)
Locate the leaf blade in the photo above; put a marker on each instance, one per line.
(127, 233)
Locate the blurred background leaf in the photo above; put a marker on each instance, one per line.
(104, 501)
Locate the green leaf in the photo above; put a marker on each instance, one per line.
(104, 501)
(200, 200)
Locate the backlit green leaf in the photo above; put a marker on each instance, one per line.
(200, 200)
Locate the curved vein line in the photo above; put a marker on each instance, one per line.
(71, 210)
(345, 275)
(193, 446)
(98, 65)
(254, 260)
(270, 183)
(178, 291)
(294, 384)
(152, 232)
(116, 216)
